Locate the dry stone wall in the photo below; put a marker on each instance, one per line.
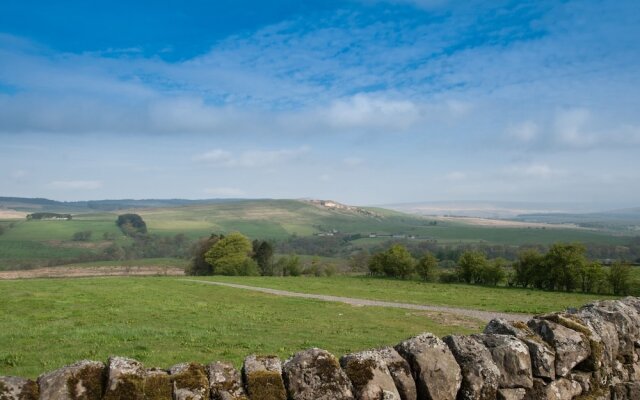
(590, 353)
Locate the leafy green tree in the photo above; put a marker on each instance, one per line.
(427, 267)
(470, 265)
(263, 256)
(131, 224)
(200, 266)
(592, 278)
(527, 267)
(376, 264)
(232, 256)
(398, 262)
(289, 265)
(563, 263)
(493, 272)
(82, 236)
(619, 278)
(359, 261)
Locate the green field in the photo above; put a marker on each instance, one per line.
(38, 242)
(503, 299)
(45, 324)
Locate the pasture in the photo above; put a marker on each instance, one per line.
(46, 324)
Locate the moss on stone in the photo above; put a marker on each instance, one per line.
(157, 387)
(396, 366)
(360, 371)
(265, 385)
(129, 386)
(30, 391)
(86, 384)
(193, 378)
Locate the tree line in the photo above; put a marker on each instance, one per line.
(564, 267)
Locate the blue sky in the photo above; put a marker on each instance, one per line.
(365, 102)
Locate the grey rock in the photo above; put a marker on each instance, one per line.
(434, 368)
(607, 334)
(480, 375)
(512, 358)
(543, 357)
(316, 374)
(370, 375)
(561, 389)
(262, 376)
(80, 381)
(225, 382)
(125, 379)
(571, 347)
(511, 394)
(400, 372)
(626, 319)
(190, 382)
(14, 388)
(626, 391)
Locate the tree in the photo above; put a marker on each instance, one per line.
(263, 255)
(288, 266)
(427, 267)
(592, 277)
(81, 236)
(376, 264)
(398, 262)
(493, 272)
(528, 267)
(563, 263)
(359, 261)
(470, 265)
(619, 277)
(232, 256)
(200, 266)
(132, 224)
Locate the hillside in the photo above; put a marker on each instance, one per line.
(28, 243)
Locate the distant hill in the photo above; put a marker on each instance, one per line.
(627, 219)
(46, 205)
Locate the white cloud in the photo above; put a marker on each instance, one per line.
(251, 158)
(76, 185)
(570, 128)
(224, 192)
(526, 131)
(371, 112)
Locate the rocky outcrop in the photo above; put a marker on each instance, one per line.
(591, 353)
(263, 378)
(434, 368)
(315, 374)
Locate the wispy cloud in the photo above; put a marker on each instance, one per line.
(251, 158)
(76, 185)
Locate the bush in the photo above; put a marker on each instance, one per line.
(82, 236)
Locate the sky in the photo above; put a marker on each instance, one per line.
(362, 101)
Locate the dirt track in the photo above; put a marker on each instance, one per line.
(476, 314)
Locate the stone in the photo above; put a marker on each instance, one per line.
(626, 391)
(571, 347)
(511, 394)
(400, 372)
(626, 319)
(125, 379)
(480, 375)
(605, 356)
(262, 377)
(512, 358)
(316, 374)
(190, 382)
(80, 381)
(370, 375)
(561, 389)
(543, 357)
(14, 388)
(225, 382)
(157, 385)
(434, 368)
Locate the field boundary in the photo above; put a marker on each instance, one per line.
(477, 314)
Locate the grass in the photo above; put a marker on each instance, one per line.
(143, 262)
(465, 296)
(46, 324)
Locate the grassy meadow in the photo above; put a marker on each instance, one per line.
(45, 324)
